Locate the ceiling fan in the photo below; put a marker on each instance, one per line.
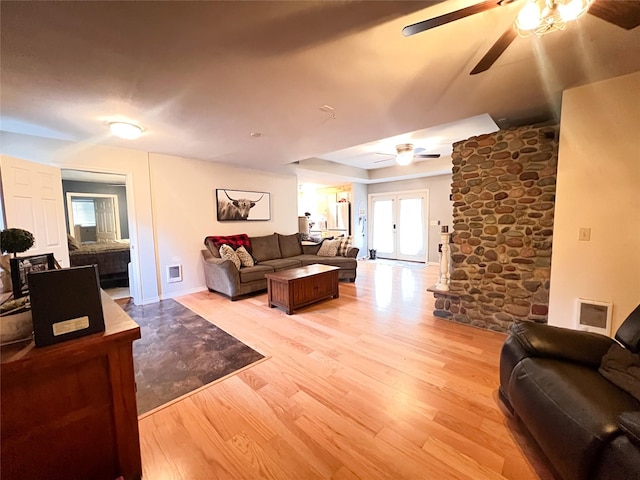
(537, 17)
(405, 153)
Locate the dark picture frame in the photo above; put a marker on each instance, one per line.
(21, 266)
(242, 205)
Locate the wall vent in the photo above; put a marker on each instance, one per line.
(593, 316)
(174, 273)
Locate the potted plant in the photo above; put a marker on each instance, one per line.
(12, 240)
(15, 240)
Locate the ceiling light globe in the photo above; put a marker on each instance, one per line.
(404, 158)
(128, 131)
(529, 16)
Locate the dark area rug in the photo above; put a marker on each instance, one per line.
(180, 352)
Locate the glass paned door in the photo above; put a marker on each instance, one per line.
(383, 226)
(410, 228)
(398, 229)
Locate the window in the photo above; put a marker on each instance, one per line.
(84, 211)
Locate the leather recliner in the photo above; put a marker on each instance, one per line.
(587, 427)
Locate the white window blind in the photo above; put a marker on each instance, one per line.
(84, 212)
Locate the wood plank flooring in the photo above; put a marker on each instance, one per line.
(367, 386)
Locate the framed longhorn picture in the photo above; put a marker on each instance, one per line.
(239, 205)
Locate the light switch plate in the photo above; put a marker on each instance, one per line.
(584, 235)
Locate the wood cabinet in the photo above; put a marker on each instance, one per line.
(69, 410)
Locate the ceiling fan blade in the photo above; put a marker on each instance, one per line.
(452, 17)
(495, 51)
(623, 13)
(383, 160)
(427, 155)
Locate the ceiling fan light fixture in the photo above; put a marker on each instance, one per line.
(125, 130)
(404, 154)
(572, 9)
(539, 17)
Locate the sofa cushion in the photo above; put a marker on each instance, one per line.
(289, 245)
(257, 272)
(245, 257)
(342, 262)
(329, 248)
(227, 253)
(265, 248)
(282, 263)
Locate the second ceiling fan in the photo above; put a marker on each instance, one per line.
(537, 17)
(405, 153)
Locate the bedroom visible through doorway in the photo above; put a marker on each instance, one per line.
(93, 217)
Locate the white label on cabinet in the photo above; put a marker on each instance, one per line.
(69, 326)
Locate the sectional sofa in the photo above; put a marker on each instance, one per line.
(273, 253)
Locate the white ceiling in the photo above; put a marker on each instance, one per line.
(200, 77)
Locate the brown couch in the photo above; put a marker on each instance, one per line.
(273, 253)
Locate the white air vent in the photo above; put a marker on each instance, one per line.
(593, 316)
(174, 273)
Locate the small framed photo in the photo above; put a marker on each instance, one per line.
(22, 266)
(240, 205)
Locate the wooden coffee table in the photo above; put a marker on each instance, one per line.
(298, 287)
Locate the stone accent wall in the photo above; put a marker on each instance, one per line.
(504, 196)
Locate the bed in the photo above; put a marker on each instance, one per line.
(111, 257)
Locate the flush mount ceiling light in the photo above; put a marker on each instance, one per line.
(539, 17)
(125, 130)
(404, 154)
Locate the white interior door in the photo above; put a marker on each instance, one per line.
(32, 197)
(399, 225)
(107, 221)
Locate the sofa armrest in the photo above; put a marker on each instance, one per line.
(221, 274)
(630, 424)
(353, 252)
(539, 340)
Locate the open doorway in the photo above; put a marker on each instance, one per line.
(98, 226)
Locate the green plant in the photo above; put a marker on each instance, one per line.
(15, 240)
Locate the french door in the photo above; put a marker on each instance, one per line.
(398, 225)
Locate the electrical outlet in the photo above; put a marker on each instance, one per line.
(584, 234)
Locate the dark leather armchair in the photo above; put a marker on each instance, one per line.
(588, 427)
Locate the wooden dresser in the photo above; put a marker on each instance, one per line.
(69, 410)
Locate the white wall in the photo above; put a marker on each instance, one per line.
(598, 188)
(440, 207)
(184, 212)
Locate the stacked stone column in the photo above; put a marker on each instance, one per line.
(503, 191)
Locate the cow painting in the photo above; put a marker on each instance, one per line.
(238, 205)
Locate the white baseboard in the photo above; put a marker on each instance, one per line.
(180, 293)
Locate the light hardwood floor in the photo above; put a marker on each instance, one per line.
(367, 386)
